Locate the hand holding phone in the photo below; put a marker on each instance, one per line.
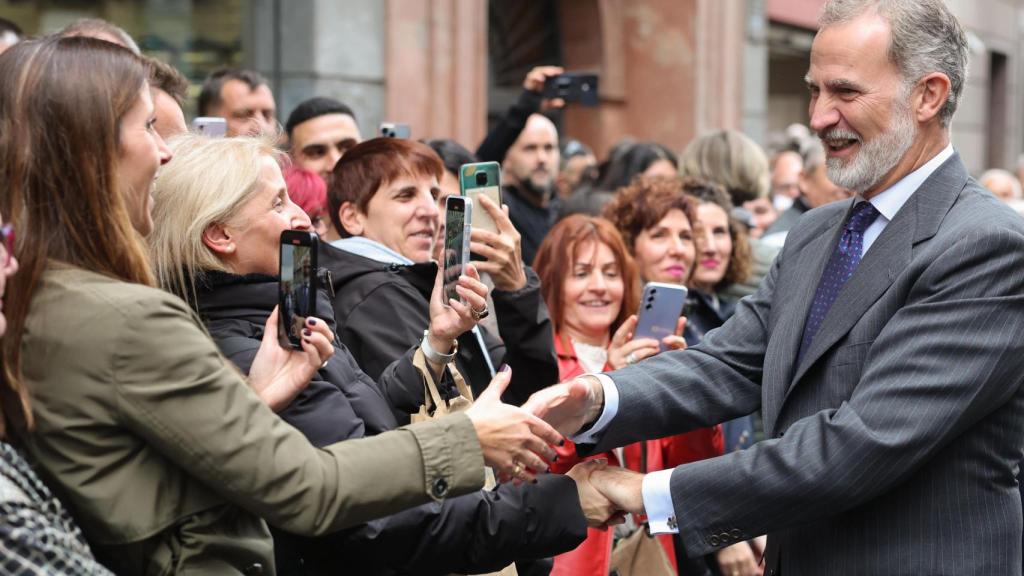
(660, 309)
(297, 286)
(579, 87)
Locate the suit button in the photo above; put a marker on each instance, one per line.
(736, 533)
(724, 538)
(440, 488)
(254, 569)
(713, 540)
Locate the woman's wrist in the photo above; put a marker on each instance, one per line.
(438, 348)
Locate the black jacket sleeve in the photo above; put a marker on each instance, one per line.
(529, 342)
(480, 532)
(507, 130)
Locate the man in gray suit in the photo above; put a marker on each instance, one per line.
(884, 346)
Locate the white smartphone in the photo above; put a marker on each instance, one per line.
(212, 126)
(660, 309)
(458, 217)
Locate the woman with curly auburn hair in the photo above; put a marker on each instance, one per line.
(721, 257)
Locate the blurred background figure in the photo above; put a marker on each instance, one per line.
(10, 34)
(1002, 183)
(579, 167)
(628, 160)
(243, 98)
(786, 166)
(320, 130)
(815, 190)
(529, 172)
(735, 162)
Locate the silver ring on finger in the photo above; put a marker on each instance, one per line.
(631, 358)
(480, 314)
(517, 469)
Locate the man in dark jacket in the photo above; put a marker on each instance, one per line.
(474, 533)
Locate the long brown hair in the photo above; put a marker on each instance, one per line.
(554, 259)
(61, 104)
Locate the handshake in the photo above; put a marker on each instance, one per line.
(607, 494)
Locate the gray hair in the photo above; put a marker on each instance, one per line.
(925, 37)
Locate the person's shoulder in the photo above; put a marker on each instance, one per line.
(75, 291)
(976, 206)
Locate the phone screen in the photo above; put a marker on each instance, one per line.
(454, 241)
(297, 297)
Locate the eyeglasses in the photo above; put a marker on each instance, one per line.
(7, 235)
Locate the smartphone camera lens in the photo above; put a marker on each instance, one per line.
(481, 178)
(648, 307)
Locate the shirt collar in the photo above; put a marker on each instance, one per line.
(889, 201)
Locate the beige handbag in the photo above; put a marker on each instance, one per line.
(435, 407)
(641, 554)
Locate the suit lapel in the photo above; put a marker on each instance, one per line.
(918, 220)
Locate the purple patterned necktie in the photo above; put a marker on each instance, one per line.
(840, 267)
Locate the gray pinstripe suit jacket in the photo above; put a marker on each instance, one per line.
(893, 447)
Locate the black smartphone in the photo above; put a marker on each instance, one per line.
(395, 130)
(297, 287)
(458, 217)
(579, 87)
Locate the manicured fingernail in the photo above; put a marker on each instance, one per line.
(555, 459)
(504, 368)
(561, 442)
(312, 321)
(307, 332)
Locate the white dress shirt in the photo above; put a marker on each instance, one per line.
(657, 492)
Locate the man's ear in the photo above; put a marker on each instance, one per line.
(352, 219)
(217, 238)
(931, 94)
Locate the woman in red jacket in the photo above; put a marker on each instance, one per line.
(591, 286)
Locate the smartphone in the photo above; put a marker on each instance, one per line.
(458, 219)
(482, 178)
(297, 287)
(213, 126)
(579, 87)
(660, 309)
(395, 130)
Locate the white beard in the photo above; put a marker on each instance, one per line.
(876, 156)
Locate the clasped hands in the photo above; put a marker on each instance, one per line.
(607, 494)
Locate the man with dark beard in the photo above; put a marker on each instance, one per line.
(883, 347)
(529, 172)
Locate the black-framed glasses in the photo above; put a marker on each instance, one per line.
(7, 236)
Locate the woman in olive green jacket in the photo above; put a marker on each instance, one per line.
(164, 454)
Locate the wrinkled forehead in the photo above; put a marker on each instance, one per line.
(852, 50)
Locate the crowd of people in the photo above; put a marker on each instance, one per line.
(842, 386)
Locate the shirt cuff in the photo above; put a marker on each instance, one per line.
(611, 408)
(657, 494)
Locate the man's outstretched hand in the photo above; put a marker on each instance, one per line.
(568, 406)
